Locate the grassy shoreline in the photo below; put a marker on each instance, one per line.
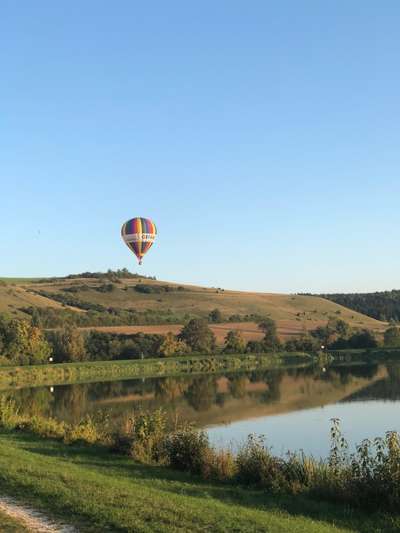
(86, 372)
(65, 373)
(99, 491)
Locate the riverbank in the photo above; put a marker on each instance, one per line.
(86, 372)
(99, 491)
(65, 373)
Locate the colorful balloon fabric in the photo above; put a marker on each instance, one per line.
(139, 234)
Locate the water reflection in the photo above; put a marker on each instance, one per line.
(212, 398)
(234, 404)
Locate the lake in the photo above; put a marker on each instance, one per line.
(292, 407)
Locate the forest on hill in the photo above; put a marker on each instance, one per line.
(384, 306)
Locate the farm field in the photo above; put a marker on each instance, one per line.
(249, 330)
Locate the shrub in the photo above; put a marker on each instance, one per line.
(303, 473)
(48, 428)
(8, 413)
(215, 316)
(86, 431)
(188, 449)
(219, 465)
(143, 437)
(256, 465)
(374, 477)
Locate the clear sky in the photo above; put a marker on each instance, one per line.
(261, 137)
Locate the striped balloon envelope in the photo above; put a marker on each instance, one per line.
(139, 234)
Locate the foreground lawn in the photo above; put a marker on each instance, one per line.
(97, 491)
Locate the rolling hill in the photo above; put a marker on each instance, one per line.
(293, 313)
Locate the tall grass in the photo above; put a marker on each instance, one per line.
(369, 477)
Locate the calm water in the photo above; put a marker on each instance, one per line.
(292, 408)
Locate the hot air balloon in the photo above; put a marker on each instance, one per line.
(139, 234)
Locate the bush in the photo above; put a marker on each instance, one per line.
(8, 413)
(86, 431)
(256, 465)
(219, 465)
(143, 437)
(155, 289)
(188, 450)
(215, 316)
(374, 476)
(48, 428)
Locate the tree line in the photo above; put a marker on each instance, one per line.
(23, 342)
(379, 305)
(112, 275)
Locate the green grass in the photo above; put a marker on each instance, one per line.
(9, 525)
(97, 491)
(19, 280)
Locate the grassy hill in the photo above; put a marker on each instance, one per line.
(293, 313)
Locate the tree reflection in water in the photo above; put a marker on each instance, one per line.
(202, 393)
(304, 385)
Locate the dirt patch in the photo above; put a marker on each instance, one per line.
(249, 330)
(32, 520)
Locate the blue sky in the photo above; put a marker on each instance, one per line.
(261, 137)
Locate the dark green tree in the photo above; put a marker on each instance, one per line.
(304, 343)
(234, 342)
(342, 328)
(255, 347)
(215, 316)
(271, 341)
(198, 336)
(363, 339)
(68, 345)
(22, 343)
(392, 337)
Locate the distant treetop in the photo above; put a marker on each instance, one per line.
(111, 275)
